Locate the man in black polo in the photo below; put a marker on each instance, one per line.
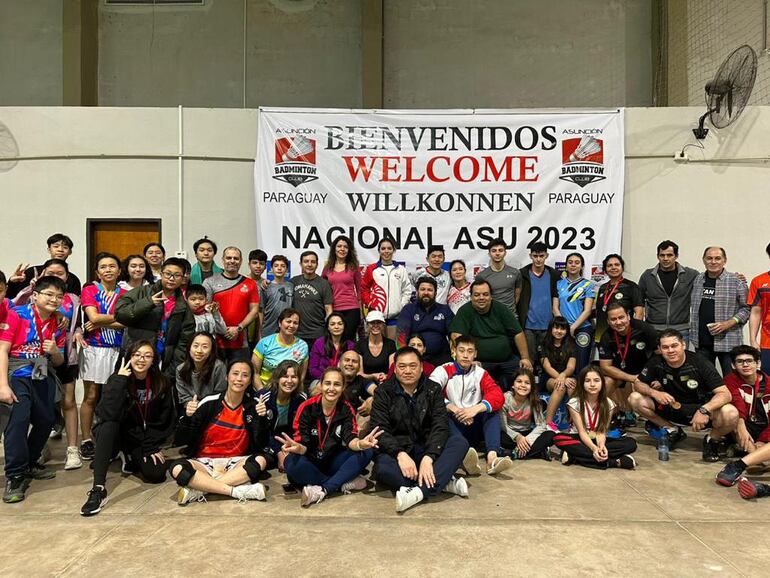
(679, 387)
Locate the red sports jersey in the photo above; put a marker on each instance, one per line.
(234, 296)
(226, 437)
(759, 295)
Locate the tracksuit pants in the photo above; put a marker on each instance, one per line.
(108, 443)
(485, 425)
(580, 454)
(35, 407)
(329, 474)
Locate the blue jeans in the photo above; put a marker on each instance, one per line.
(486, 425)
(329, 474)
(35, 407)
(389, 474)
(501, 371)
(725, 363)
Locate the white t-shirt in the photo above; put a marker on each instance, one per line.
(589, 416)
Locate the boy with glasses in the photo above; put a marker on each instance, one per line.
(30, 347)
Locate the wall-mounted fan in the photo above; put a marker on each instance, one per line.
(729, 91)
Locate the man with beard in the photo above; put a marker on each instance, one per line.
(429, 319)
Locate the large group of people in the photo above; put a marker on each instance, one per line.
(418, 373)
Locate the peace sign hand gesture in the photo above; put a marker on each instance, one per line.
(290, 446)
(18, 275)
(261, 404)
(370, 441)
(125, 370)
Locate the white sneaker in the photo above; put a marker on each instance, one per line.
(471, 462)
(356, 484)
(500, 465)
(312, 495)
(408, 497)
(187, 495)
(457, 486)
(249, 492)
(73, 461)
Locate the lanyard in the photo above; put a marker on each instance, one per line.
(40, 327)
(322, 442)
(147, 393)
(623, 354)
(610, 293)
(592, 417)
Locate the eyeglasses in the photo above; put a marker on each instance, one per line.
(746, 361)
(52, 296)
(142, 356)
(172, 276)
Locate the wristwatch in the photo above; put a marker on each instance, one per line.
(704, 411)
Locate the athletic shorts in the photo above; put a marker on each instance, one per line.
(681, 416)
(97, 364)
(218, 466)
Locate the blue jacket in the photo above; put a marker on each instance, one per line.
(433, 325)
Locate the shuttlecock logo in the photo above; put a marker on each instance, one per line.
(295, 160)
(582, 160)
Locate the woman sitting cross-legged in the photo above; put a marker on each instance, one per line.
(134, 417)
(326, 454)
(224, 434)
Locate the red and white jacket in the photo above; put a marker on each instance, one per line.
(468, 388)
(386, 290)
(743, 399)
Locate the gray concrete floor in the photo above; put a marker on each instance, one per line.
(543, 519)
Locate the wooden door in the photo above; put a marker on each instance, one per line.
(121, 237)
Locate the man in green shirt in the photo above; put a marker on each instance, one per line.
(502, 346)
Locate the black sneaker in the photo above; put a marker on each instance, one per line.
(730, 473)
(38, 471)
(675, 438)
(15, 490)
(97, 497)
(626, 462)
(127, 465)
(87, 450)
(710, 449)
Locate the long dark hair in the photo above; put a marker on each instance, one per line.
(158, 383)
(351, 261)
(534, 396)
(186, 371)
(282, 369)
(567, 348)
(605, 415)
(328, 342)
(147, 269)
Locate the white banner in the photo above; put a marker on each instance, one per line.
(452, 178)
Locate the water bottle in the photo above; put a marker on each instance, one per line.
(663, 446)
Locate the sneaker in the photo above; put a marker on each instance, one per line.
(654, 431)
(748, 489)
(730, 473)
(676, 437)
(552, 426)
(45, 455)
(126, 463)
(187, 495)
(626, 462)
(97, 497)
(87, 450)
(629, 419)
(457, 486)
(565, 459)
(38, 471)
(73, 460)
(56, 431)
(249, 492)
(312, 495)
(500, 465)
(471, 462)
(15, 490)
(356, 484)
(408, 497)
(710, 449)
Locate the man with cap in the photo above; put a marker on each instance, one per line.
(429, 319)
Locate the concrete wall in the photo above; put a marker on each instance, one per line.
(31, 53)
(702, 202)
(486, 53)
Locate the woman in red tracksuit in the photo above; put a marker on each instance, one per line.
(386, 286)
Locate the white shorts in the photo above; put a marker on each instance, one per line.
(97, 364)
(218, 466)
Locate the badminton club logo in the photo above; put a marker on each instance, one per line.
(582, 160)
(295, 160)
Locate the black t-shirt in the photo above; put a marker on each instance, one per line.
(557, 357)
(626, 293)
(690, 383)
(372, 364)
(668, 280)
(355, 392)
(206, 274)
(706, 313)
(630, 356)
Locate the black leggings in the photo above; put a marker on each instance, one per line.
(352, 319)
(580, 454)
(543, 441)
(108, 443)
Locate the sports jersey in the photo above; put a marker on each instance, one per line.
(625, 292)
(8, 320)
(689, 383)
(629, 352)
(759, 296)
(572, 295)
(272, 351)
(466, 388)
(94, 295)
(234, 296)
(559, 356)
(443, 283)
(590, 418)
(226, 436)
(26, 334)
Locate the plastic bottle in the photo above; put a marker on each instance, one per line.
(663, 446)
